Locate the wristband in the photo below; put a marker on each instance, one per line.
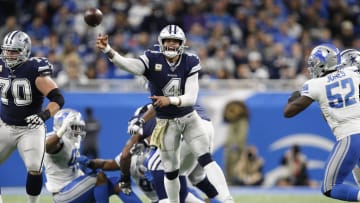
(60, 132)
(44, 115)
(174, 101)
(107, 49)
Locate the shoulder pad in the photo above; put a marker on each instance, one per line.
(44, 67)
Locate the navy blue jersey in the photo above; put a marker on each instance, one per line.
(167, 80)
(19, 95)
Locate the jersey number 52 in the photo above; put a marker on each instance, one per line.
(341, 93)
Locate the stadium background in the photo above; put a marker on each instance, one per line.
(236, 27)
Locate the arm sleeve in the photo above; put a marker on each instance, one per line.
(131, 65)
(191, 91)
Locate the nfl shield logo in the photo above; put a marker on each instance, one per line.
(158, 67)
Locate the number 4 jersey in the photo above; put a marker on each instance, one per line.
(19, 95)
(338, 96)
(169, 79)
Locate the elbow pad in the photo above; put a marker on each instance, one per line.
(56, 96)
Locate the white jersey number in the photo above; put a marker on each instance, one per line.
(341, 93)
(20, 89)
(172, 88)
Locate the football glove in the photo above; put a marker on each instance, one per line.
(136, 126)
(66, 125)
(125, 184)
(34, 121)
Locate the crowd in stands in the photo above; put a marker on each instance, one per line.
(263, 39)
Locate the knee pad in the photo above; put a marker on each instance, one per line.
(205, 159)
(172, 175)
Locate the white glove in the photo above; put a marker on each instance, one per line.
(66, 125)
(34, 121)
(136, 126)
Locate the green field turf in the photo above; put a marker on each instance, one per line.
(238, 199)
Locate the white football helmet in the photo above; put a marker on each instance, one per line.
(77, 125)
(19, 42)
(323, 59)
(172, 32)
(350, 57)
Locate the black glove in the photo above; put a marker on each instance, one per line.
(125, 184)
(37, 120)
(34, 121)
(296, 94)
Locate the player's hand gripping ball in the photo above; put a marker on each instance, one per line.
(93, 17)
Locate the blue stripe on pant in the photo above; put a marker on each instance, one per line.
(342, 159)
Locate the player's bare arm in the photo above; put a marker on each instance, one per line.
(296, 106)
(105, 164)
(49, 89)
(52, 145)
(125, 158)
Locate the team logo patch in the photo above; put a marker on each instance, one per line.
(158, 67)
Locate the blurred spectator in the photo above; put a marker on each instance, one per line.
(257, 68)
(195, 15)
(92, 127)
(109, 16)
(37, 30)
(239, 27)
(10, 25)
(248, 170)
(72, 73)
(102, 69)
(138, 11)
(196, 37)
(242, 71)
(236, 115)
(57, 65)
(221, 64)
(205, 71)
(295, 161)
(347, 34)
(291, 172)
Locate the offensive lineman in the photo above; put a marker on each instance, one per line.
(24, 83)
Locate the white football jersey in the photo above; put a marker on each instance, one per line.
(338, 96)
(61, 168)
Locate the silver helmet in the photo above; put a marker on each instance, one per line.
(350, 57)
(172, 32)
(323, 59)
(16, 48)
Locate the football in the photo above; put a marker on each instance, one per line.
(93, 17)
